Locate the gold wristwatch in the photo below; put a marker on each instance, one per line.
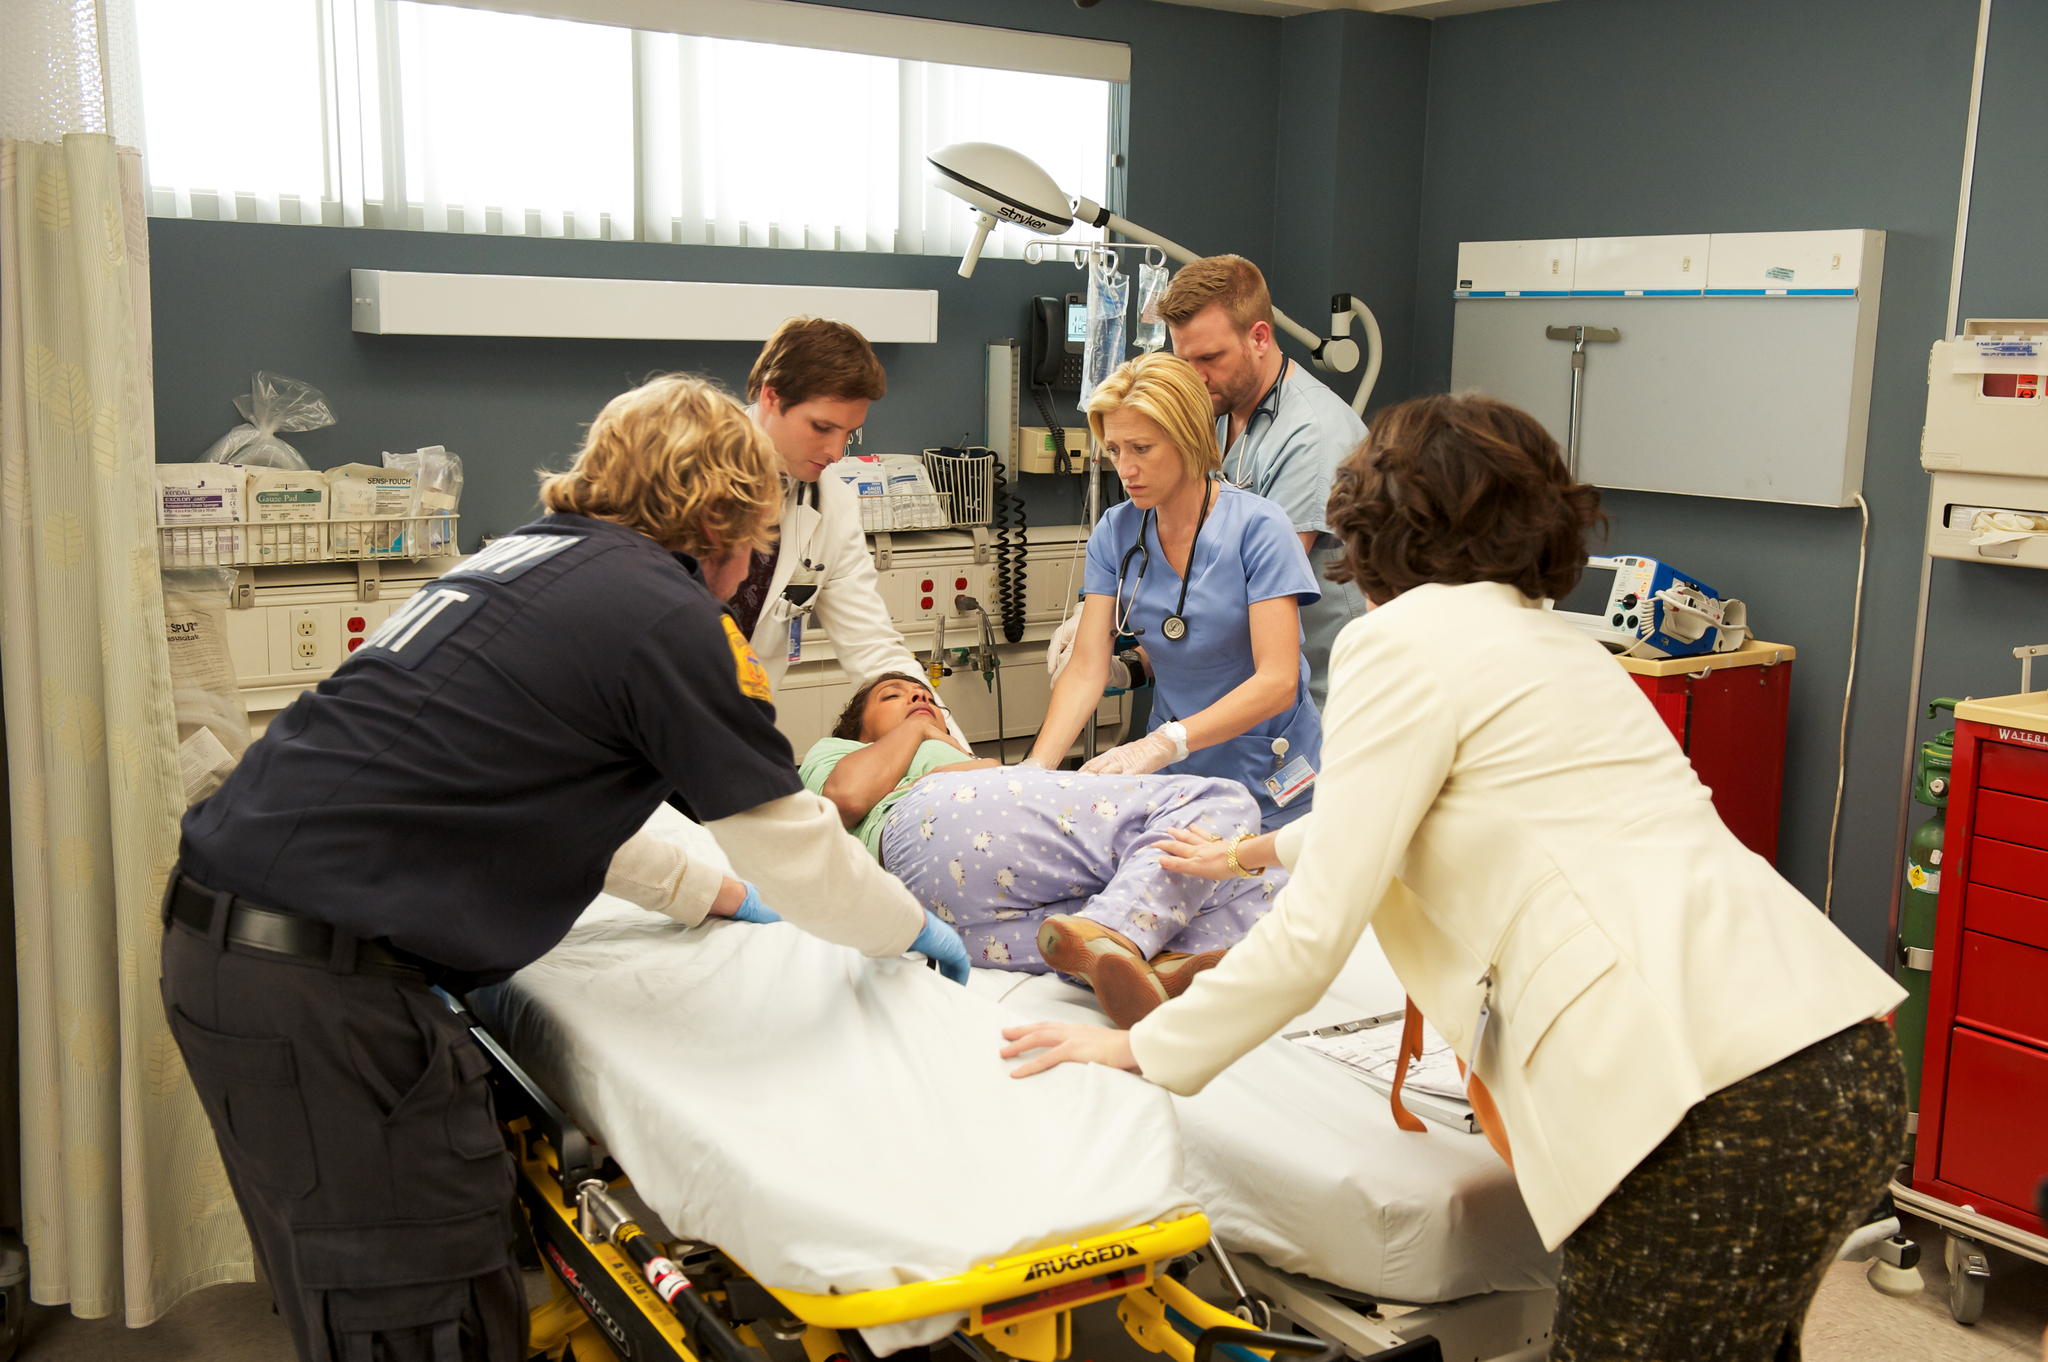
(1235, 868)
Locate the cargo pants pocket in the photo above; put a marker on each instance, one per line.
(454, 1091)
(414, 1290)
(250, 1088)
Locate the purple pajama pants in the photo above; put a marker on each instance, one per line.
(995, 851)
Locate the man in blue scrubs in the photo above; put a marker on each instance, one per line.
(1281, 431)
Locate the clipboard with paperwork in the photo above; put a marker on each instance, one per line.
(1368, 1050)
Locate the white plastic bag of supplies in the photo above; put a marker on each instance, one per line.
(273, 403)
(206, 700)
(437, 492)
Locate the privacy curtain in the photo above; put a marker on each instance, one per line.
(125, 1202)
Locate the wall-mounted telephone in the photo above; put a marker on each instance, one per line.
(1058, 336)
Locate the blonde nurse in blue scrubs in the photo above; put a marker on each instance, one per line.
(1211, 581)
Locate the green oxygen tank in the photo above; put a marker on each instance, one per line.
(1922, 896)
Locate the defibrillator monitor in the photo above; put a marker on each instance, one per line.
(1647, 608)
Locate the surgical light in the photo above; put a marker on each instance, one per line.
(1000, 183)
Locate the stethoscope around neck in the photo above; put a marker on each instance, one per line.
(803, 583)
(1174, 626)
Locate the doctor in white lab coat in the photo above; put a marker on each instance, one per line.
(809, 391)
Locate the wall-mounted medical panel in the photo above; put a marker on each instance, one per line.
(1793, 264)
(1516, 269)
(1987, 401)
(1986, 443)
(1743, 396)
(1641, 266)
(399, 302)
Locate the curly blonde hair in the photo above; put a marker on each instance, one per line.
(678, 460)
(1167, 389)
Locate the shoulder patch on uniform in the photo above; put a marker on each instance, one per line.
(753, 677)
(417, 627)
(507, 559)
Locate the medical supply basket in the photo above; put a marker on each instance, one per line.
(268, 543)
(962, 496)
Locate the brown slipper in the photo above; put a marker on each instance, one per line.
(1124, 984)
(1177, 969)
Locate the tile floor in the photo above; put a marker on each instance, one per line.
(1850, 1323)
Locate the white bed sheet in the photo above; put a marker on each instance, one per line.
(833, 1123)
(1295, 1160)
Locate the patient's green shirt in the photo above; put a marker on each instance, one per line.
(825, 755)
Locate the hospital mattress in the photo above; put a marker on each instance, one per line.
(1297, 1161)
(834, 1124)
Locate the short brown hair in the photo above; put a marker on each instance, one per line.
(811, 357)
(1229, 280)
(1459, 488)
(856, 712)
(1167, 389)
(674, 458)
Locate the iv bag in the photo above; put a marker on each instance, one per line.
(1150, 333)
(1109, 292)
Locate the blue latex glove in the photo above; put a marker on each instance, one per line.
(944, 946)
(751, 909)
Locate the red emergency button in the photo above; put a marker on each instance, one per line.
(357, 624)
(354, 644)
(925, 604)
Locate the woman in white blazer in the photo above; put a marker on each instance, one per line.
(1678, 1047)
(809, 391)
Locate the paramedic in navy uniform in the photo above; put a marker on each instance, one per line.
(440, 810)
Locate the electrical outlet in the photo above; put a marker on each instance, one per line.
(305, 638)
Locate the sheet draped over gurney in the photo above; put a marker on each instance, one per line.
(1294, 1159)
(834, 1124)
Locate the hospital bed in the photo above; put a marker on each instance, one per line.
(829, 1149)
(1330, 1216)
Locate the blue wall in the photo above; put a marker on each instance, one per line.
(1347, 179)
(230, 298)
(1627, 117)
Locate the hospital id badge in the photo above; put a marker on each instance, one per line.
(796, 637)
(1290, 780)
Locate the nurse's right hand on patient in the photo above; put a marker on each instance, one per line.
(1067, 1043)
(944, 947)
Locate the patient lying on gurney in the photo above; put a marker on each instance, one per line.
(1040, 869)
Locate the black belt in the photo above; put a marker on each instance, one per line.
(287, 933)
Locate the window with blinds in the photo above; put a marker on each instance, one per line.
(434, 117)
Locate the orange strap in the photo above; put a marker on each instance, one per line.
(1411, 1048)
(1475, 1091)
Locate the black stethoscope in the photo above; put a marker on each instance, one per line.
(798, 593)
(1244, 440)
(1174, 626)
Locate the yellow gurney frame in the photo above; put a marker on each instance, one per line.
(1018, 1307)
